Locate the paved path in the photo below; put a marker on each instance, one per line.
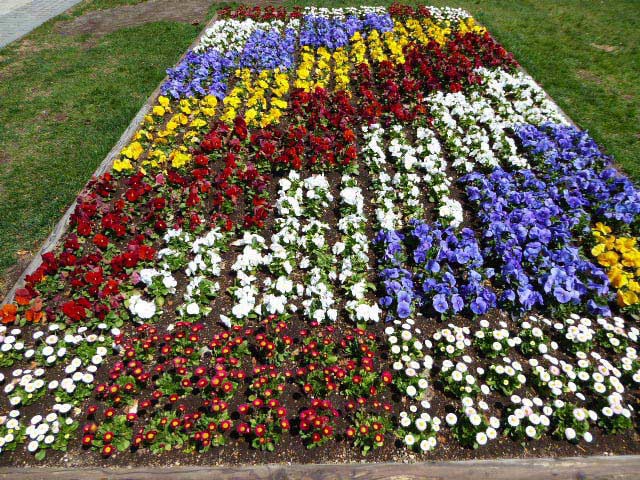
(19, 17)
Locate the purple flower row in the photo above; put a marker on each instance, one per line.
(200, 74)
(529, 239)
(583, 174)
(434, 268)
(333, 33)
(268, 50)
(529, 251)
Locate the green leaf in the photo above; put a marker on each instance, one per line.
(40, 454)
(122, 444)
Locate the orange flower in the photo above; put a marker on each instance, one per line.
(8, 313)
(23, 296)
(35, 313)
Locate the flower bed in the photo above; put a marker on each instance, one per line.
(338, 233)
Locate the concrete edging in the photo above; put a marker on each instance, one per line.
(62, 225)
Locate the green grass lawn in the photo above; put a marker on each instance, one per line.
(65, 100)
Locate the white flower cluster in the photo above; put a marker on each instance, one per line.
(150, 275)
(518, 98)
(282, 258)
(574, 390)
(231, 35)
(375, 161)
(25, 387)
(459, 380)
(344, 12)
(433, 167)
(245, 291)
(406, 180)
(11, 429)
(471, 424)
(474, 126)
(11, 345)
(453, 15)
(198, 258)
(85, 350)
(411, 360)
(44, 430)
(399, 197)
(529, 417)
(452, 340)
(353, 251)
(532, 337)
(141, 308)
(472, 130)
(419, 428)
(317, 258)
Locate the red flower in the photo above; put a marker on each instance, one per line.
(23, 296)
(109, 450)
(243, 428)
(84, 228)
(201, 160)
(74, 311)
(260, 430)
(100, 240)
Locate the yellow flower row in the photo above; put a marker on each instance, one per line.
(389, 45)
(621, 258)
(262, 97)
(318, 67)
(161, 129)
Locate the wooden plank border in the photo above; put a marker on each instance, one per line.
(624, 467)
(106, 164)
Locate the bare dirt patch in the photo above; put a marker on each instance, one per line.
(12, 274)
(103, 22)
(605, 48)
(4, 157)
(589, 76)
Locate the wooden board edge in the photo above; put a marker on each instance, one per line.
(597, 467)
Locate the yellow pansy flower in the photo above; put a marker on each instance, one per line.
(197, 123)
(598, 249)
(122, 164)
(133, 151)
(179, 159)
(608, 259)
(618, 278)
(602, 228)
(626, 298)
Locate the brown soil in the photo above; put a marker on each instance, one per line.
(103, 22)
(589, 76)
(605, 48)
(4, 157)
(12, 274)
